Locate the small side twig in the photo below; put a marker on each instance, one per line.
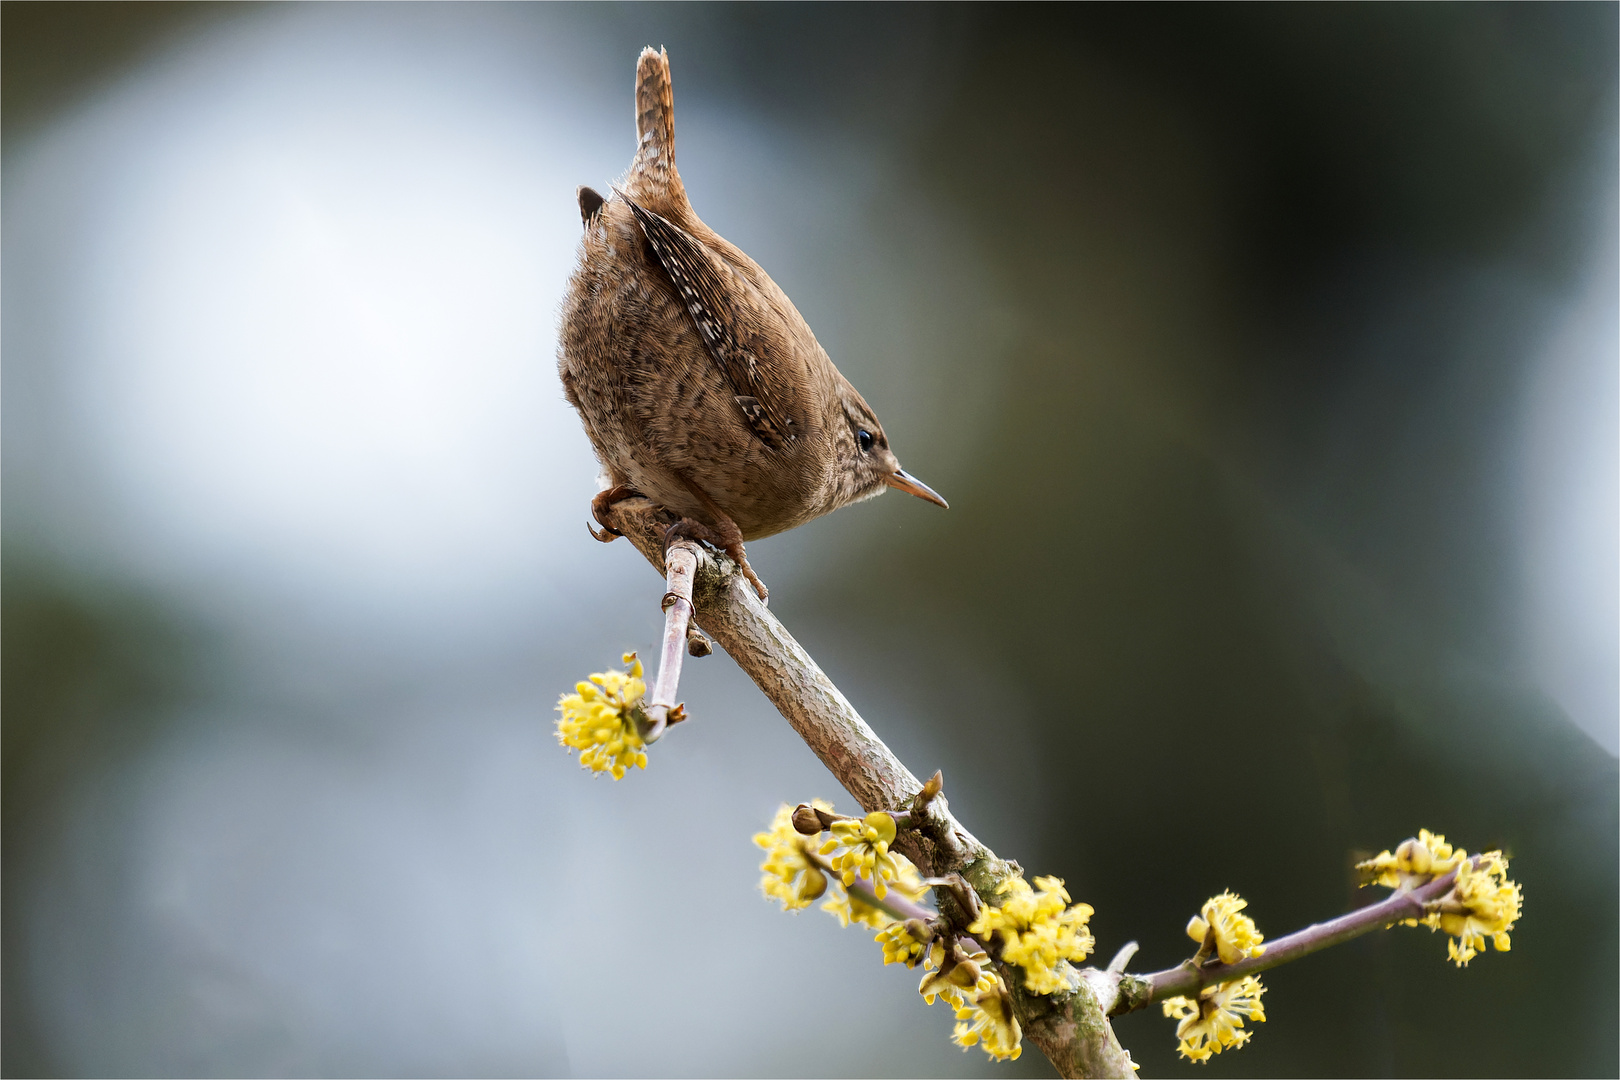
(1122, 959)
(680, 567)
(1187, 979)
(893, 903)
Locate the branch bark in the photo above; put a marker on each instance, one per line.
(1070, 1027)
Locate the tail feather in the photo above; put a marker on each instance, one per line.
(652, 179)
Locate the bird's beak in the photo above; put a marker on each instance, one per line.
(913, 486)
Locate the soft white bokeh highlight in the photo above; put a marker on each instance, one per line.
(1571, 499)
(322, 308)
(283, 356)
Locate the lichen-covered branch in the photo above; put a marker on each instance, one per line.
(1071, 1026)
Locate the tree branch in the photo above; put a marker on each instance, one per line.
(730, 612)
(1071, 1027)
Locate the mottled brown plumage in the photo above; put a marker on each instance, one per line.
(698, 381)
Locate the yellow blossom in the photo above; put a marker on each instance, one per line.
(790, 876)
(988, 1021)
(861, 849)
(954, 974)
(596, 722)
(1483, 902)
(905, 942)
(1416, 861)
(1235, 934)
(851, 908)
(908, 882)
(1213, 1021)
(1037, 930)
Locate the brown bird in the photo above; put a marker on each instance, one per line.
(697, 379)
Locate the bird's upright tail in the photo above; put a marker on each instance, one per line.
(652, 180)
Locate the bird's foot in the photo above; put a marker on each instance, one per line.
(602, 511)
(728, 538)
(736, 552)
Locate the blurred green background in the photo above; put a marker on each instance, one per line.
(1266, 354)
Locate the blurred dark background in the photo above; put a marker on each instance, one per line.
(1267, 355)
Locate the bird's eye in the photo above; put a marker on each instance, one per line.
(864, 437)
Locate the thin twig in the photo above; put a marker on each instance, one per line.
(895, 904)
(1122, 959)
(680, 566)
(1185, 980)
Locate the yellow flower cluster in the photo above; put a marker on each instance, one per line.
(1416, 861)
(905, 942)
(861, 848)
(1235, 933)
(595, 720)
(859, 853)
(1482, 903)
(789, 875)
(988, 1021)
(1038, 930)
(850, 908)
(1214, 1020)
(792, 875)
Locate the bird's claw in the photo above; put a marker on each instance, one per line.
(602, 507)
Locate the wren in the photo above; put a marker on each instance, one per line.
(698, 381)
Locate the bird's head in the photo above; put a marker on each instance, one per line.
(865, 464)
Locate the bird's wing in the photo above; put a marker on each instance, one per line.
(707, 287)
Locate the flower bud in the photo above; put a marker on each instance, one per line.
(932, 788)
(806, 821)
(813, 885)
(965, 974)
(1415, 855)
